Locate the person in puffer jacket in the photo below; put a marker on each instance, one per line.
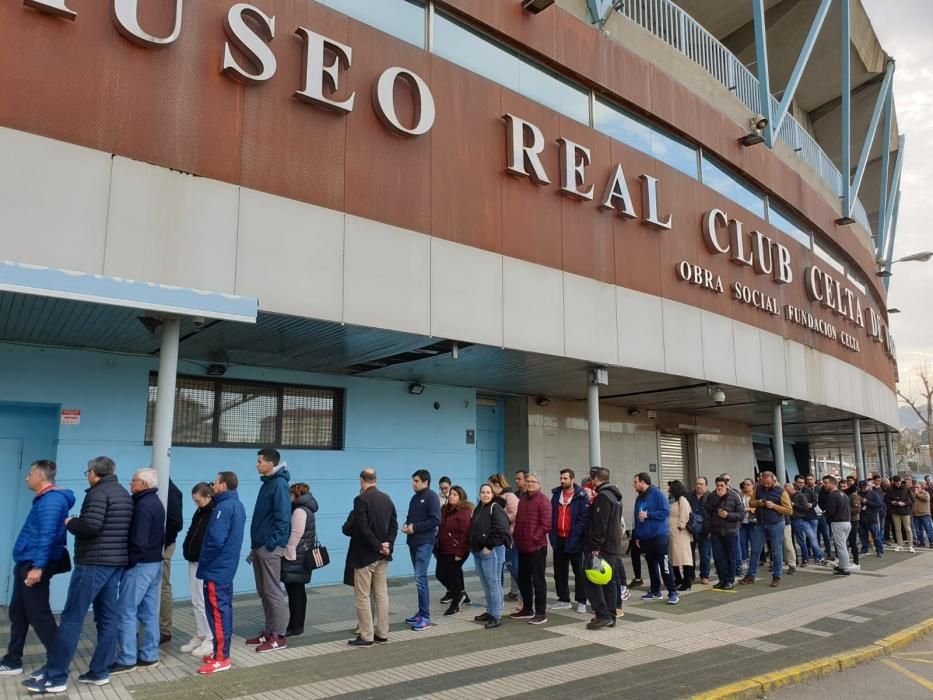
(101, 532)
(37, 554)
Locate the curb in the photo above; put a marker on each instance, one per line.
(761, 686)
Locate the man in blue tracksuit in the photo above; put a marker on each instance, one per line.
(651, 535)
(424, 517)
(36, 553)
(569, 506)
(269, 531)
(217, 565)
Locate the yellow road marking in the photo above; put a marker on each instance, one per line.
(909, 658)
(918, 653)
(909, 674)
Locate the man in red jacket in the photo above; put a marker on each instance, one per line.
(532, 525)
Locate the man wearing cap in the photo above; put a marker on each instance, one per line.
(603, 538)
(870, 517)
(900, 500)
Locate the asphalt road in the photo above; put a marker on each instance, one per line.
(906, 675)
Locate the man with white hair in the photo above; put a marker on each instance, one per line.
(142, 580)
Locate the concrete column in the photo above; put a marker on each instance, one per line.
(165, 405)
(889, 446)
(840, 465)
(859, 457)
(592, 422)
(780, 471)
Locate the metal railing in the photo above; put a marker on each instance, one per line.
(679, 30)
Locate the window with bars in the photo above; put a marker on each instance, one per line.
(217, 412)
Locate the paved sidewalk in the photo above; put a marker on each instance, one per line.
(656, 651)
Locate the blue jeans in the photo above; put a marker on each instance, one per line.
(922, 525)
(511, 558)
(89, 585)
(724, 555)
(871, 525)
(705, 549)
(743, 545)
(774, 535)
(140, 588)
(421, 560)
(822, 528)
(808, 539)
(489, 568)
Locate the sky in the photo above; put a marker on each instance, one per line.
(904, 28)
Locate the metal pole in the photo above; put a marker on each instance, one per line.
(165, 405)
(889, 444)
(859, 457)
(779, 445)
(845, 162)
(592, 415)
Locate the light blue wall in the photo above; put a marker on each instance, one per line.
(386, 428)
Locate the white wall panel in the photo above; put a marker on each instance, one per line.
(718, 348)
(816, 388)
(290, 255)
(796, 364)
(773, 366)
(169, 227)
(466, 293)
(53, 202)
(830, 374)
(590, 319)
(683, 339)
(387, 277)
(533, 307)
(748, 370)
(641, 330)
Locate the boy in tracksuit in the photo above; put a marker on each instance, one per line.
(217, 565)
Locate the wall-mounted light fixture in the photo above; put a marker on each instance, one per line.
(416, 388)
(543, 401)
(536, 6)
(757, 123)
(216, 369)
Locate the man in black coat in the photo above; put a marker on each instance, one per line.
(174, 521)
(100, 533)
(372, 528)
(724, 513)
(603, 538)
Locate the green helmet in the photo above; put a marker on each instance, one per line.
(598, 571)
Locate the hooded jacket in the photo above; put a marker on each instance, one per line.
(191, 547)
(42, 538)
(658, 508)
(271, 523)
(579, 504)
(220, 551)
(102, 529)
(147, 530)
(603, 531)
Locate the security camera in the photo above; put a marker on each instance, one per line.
(198, 322)
(758, 122)
(719, 397)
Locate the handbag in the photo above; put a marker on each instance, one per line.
(316, 557)
(63, 565)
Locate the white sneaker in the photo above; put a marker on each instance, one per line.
(205, 649)
(192, 645)
(854, 567)
(561, 605)
(913, 551)
(898, 549)
(581, 608)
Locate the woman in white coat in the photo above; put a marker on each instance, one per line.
(681, 550)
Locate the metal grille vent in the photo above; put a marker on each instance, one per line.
(673, 450)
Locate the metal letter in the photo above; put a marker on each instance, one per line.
(762, 265)
(250, 43)
(738, 244)
(783, 272)
(650, 197)
(618, 188)
(384, 102)
(573, 159)
(52, 7)
(520, 155)
(710, 227)
(314, 72)
(126, 17)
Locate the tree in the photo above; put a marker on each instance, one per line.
(906, 448)
(921, 401)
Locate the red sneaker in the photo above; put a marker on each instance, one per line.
(207, 659)
(259, 639)
(274, 643)
(215, 666)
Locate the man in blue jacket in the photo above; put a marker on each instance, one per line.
(569, 505)
(424, 517)
(36, 553)
(870, 517)
(217, 565)
(651, 535)
(141, 582)
(269, 531)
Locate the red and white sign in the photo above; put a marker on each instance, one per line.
(71, 416)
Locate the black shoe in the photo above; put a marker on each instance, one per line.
(599, 623)
(116, 668)
(684, 586)
(484, 617)
(359, 642)
(840, 572)
(380, 640)
(523, 615)
(719, 586)
(146, 664)
(294, 632)
(493, 623)
(452, 610)
(511, 596)
(728, 587)
(447, 598)
(636, 583)
(466, 600)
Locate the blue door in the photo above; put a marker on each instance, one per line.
(490, 439)
(11, 467)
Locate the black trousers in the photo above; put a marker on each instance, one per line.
(29, 606)
(531, 580)
(659, 564)
(683, 574)
(297, 605)
(563, 560)
(635, 552)
(853, 542)
(449, 572)
(605, 599)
